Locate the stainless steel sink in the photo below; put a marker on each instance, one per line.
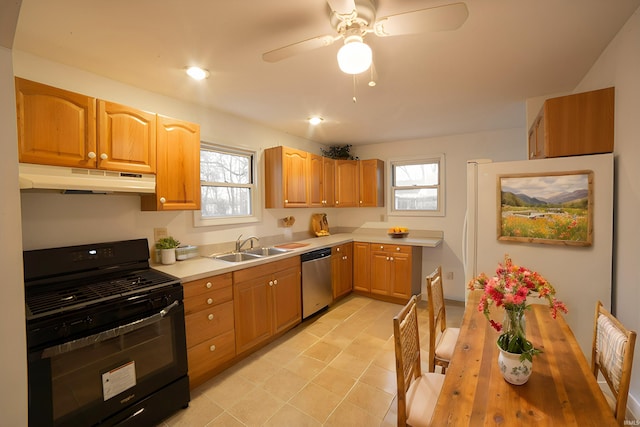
(237, 257)
(250, 254)
(266, 251)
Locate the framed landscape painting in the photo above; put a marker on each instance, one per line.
(550, 208)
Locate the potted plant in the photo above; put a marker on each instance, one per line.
(338, 152)
(167, 246)
(509, 289)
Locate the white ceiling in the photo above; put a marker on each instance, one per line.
(471, 79)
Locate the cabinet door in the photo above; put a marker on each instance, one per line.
(329, 181)
(342, 269)
(347, 180)
(178, 167)
(126, 138)
(295, 171)
(252, 308)
(361, 267)
(380, 273)
(400, 265)
(55, 127)
(316, 181)
(287, 301)
(371, 183)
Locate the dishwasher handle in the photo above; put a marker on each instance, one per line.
(317, 254)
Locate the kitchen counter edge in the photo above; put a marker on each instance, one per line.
(199, 268)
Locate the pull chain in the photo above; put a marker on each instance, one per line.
(354, 89)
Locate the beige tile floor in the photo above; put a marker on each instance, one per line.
(337, 369)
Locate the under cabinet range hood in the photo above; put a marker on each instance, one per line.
(44, 177)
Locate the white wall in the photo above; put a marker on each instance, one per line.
(501, 145)
(13, 350)
(619, 66)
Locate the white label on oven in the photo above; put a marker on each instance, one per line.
(118, 380)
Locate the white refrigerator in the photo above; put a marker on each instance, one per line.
(581, 274)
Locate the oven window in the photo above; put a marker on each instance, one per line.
(113, 368)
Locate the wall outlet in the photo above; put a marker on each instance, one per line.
(159, 233)
(449, 275)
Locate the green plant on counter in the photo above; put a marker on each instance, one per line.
(167, 243)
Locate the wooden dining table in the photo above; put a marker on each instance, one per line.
(561, 391)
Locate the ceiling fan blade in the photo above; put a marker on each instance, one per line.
(441, 18)
(342, 7)
(296, 48)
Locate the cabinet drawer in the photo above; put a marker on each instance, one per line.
(402, 249)
(265, 269)
(207, 355)
(208, 284)
(209, 323)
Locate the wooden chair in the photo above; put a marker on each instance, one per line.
(612, 356)
(442, 340)
(417, 392)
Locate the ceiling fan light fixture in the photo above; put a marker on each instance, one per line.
(197, 73)
(355, 56)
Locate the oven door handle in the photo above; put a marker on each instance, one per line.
(108, 334)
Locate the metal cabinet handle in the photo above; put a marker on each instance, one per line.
(337, 249)
(210, 317)
(209, 301)
(209, 285)
(104, 156)
(275, 282)
(91, 155)
(270, 282)
(163, 200)
(391, 259)
(212, 348)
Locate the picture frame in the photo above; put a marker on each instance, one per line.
(550, 208)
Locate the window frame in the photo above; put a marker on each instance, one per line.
(256, 209)
(440, 187)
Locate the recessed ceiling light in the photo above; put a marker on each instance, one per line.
(315, 120)
(197, 73)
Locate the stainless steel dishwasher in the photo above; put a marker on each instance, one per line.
(316, 281)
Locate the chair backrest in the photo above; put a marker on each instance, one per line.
(612, 356)
(437, 312)
(407, 345)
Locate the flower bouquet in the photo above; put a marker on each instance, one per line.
(509, 288)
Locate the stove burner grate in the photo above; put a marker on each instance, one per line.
(47, 302)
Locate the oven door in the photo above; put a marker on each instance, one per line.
(92, 380)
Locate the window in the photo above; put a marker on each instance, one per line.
(227, 185)
(417, 187)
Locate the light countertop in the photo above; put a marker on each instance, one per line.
(201, 267)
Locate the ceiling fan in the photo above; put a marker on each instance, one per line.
(354, 19)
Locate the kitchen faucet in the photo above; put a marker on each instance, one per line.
(240, 244)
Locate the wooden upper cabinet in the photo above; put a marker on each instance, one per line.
(55, 127)
(286, 178)
(126, 138)
(178, 167)
(321, 181)
(61, 128)
(371, 183)
(347, 183)
(329, 181)
(574, 125)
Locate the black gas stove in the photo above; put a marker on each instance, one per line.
(99, 315)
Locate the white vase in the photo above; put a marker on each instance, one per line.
(513, 370)
(168, 256)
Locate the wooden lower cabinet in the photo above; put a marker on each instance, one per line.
(209, 324)
(342, 269)
(394, 271)
(267, 301)
(361, 267)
